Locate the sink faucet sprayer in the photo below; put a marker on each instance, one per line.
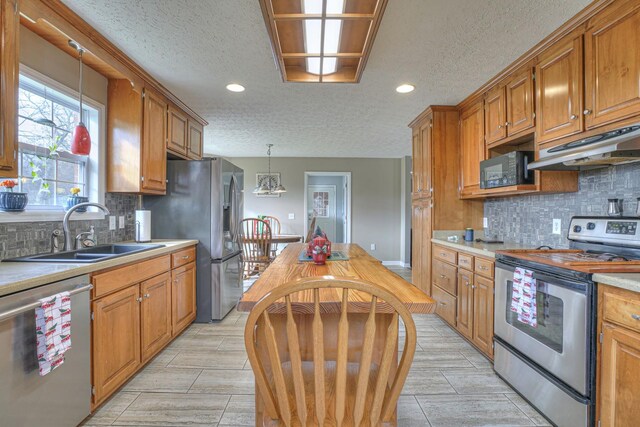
(68, 238)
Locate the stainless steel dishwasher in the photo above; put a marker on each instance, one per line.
(63, 397)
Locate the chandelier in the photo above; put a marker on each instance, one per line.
(267, 186)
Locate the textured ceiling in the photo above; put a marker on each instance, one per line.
(447, 48)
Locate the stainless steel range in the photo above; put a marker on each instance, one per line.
(551, 362)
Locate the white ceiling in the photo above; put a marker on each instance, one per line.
(447, 48)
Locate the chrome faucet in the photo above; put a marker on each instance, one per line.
(68, 238)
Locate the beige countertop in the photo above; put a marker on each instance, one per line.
(629, 281)
(479, 248)
(20, 276)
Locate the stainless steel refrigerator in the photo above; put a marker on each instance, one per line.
(204, 202)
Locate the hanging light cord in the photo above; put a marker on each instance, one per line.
(269, 155)
(80, 51)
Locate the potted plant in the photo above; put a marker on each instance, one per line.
(75, 199)
(10, 201)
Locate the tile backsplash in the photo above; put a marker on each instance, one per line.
(27, 238)
(529, 219)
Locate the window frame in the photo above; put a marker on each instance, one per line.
(94, 166)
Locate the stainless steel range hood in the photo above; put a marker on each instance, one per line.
(609, 148)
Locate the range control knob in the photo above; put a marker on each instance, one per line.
(591, 226)
(577, 229)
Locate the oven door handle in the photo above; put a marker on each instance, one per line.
(579, 286)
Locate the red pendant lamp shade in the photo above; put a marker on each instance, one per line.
(81, 143)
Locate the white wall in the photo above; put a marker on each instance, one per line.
(375, 197)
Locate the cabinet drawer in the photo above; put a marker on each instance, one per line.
(446, 255)
(183, 257)
(484, 267)
(112, 280)
(621, 307)
(444, 275)
(446, 305)
(465, 261)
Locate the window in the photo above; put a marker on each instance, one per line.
(321, 204)
(46, 119)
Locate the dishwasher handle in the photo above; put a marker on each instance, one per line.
(16, 311)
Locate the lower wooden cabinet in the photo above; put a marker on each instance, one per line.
(183, 304)
(116, 340)
(483, 314)
(446, 305)
(421, 247)
(464, 318)
(155, 314)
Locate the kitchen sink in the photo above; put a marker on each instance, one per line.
(88, 255)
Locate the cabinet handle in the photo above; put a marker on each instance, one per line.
(482, 267)
(586, 112)
(442, 276)
(573, 117)
(185, 257)
(466, 284)
(635, 316)
(443, 254)
(443, 303)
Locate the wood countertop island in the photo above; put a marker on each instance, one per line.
(360, 265)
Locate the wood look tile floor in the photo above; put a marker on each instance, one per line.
(203, 378)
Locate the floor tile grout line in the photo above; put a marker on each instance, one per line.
(128, 406)
(415, 396)
(520, 409)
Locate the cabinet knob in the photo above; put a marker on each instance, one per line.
(507, 124)
(147, 296)
(473, 286)
(139, 299)
(573, 117)
(586, 112)
(466, 283)
(635, 316)
(499, 126)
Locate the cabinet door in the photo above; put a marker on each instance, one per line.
(465, 303)
(156, 314)
(426, 145)
(559, 86)
(612, 65)
(620, 370)
(471, 147)
(178, 133)
(154, 136)
(495, 116)
(520, 102)
(9, 27)
(116, 340)
(183, 297)
(416, 163)
(425, 253)
(195, 140)
(416, 246)
(483, 314)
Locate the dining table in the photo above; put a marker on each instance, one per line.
(289, 266)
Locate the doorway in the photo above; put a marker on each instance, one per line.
(327, 197)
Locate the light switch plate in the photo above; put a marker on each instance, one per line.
(485, 222)
(121, 221)
(292, 216)
(373, 246)
(112, 222)
(557, 226)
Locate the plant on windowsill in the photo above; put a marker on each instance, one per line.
(75, 199)
(10, 201)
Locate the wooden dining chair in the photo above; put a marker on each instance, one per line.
(312, 228)
(274, 223)
(329, 366)
(255, 239)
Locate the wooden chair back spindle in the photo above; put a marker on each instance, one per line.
(338, 383)
(274, 223)
(312, 228)
(255, 240)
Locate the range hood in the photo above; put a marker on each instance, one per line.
(609, 148)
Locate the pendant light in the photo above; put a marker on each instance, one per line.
(81, 142)
(265, 188)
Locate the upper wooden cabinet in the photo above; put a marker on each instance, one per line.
(519, 98)
(559, 90)
(421, 173)
(495, 116)
(416, 169)
(178, 134)
(137, 137)
(9, 72)
(472, 149)
(612, 64)
(196, 141)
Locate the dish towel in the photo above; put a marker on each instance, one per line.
(53, 331)
(523, 297)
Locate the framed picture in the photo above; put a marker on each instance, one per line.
(267, 179)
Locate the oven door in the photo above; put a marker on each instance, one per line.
(559, 342)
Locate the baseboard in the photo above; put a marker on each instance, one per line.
(394, 263)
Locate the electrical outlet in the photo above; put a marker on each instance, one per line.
(121, 221)
(373, 246)
(557, 226)
(485, 222)
(292, 216)
(112, 222)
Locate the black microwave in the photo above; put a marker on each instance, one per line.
(508, 169)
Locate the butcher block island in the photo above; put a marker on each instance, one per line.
(327, 315)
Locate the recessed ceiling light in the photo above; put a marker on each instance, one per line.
(234, 87)
(406, 88)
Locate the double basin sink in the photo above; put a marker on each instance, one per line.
(88, 255)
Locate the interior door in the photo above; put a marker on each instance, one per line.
(321, 202)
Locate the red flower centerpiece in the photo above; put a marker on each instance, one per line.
(11, 201)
